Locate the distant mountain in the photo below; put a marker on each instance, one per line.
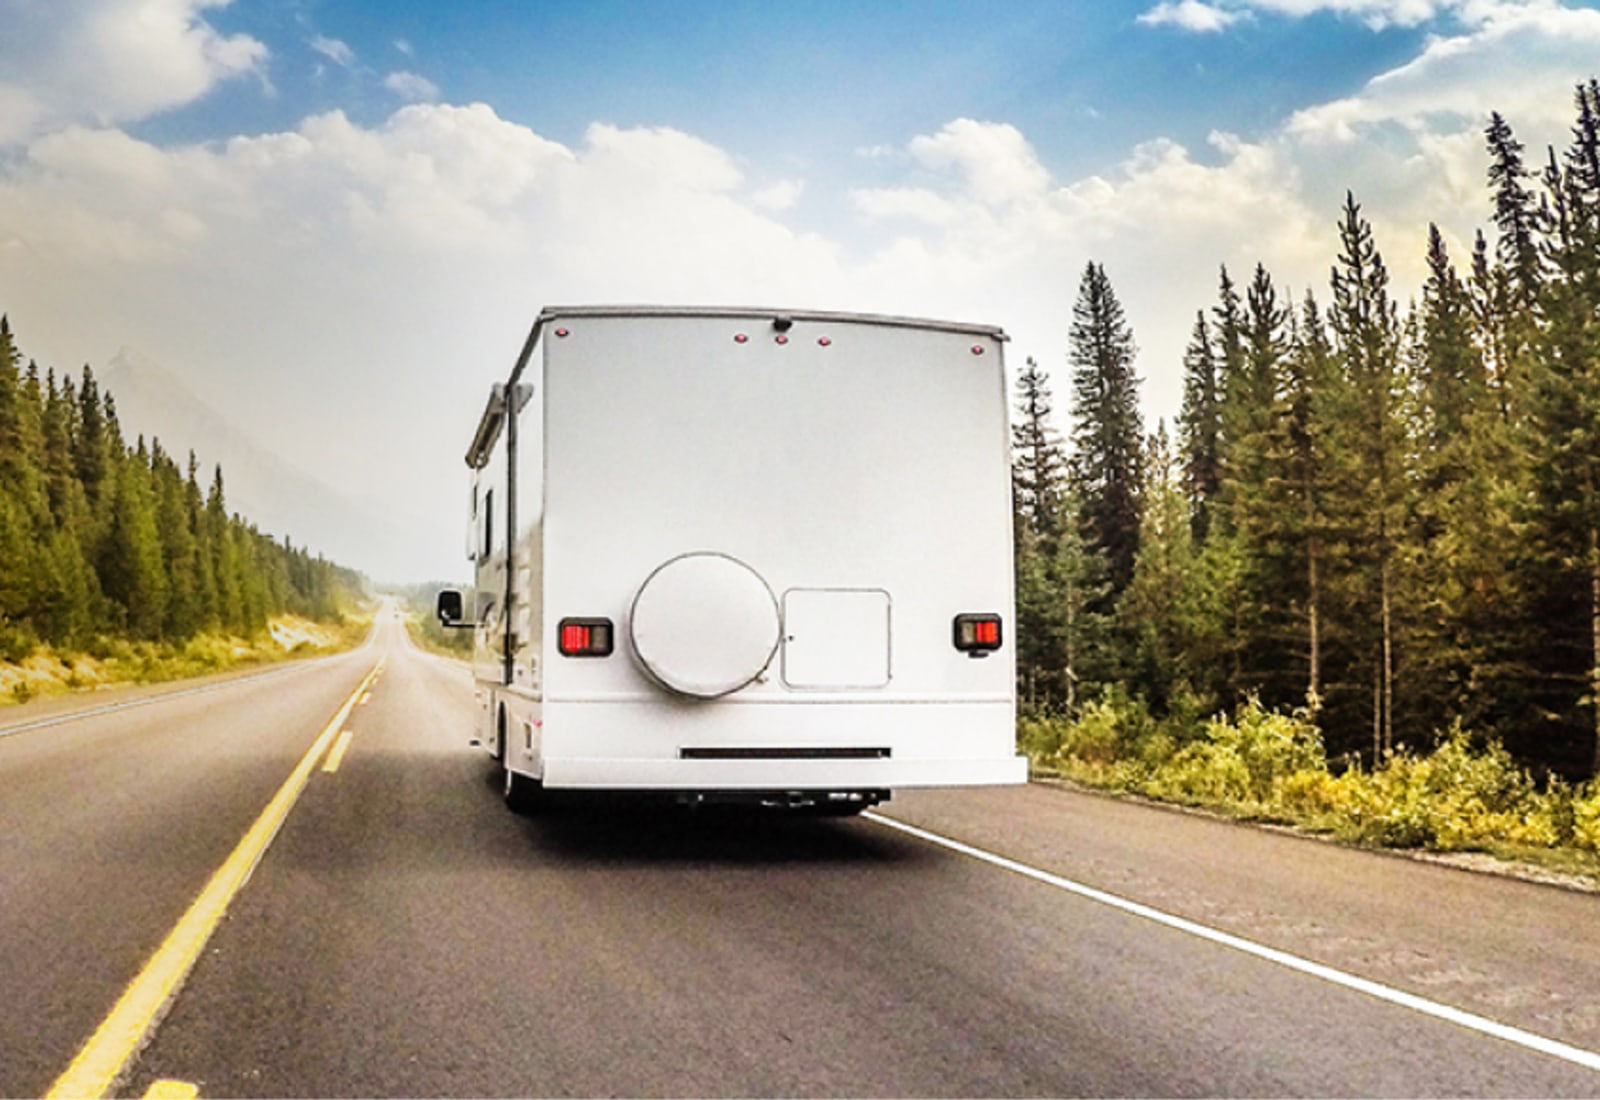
(268, 490)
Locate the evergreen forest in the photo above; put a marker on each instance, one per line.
(1384, 516)
(103, 540)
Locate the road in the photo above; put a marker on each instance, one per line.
(405, 935)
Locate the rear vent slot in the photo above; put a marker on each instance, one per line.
(783, 754)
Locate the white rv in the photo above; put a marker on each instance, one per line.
(744, 554)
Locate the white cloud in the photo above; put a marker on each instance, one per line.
(109, 61)
(405, 47)
(1190, 15)
(994, 159)
(1377, 14)
(917, 204)
(778, 196)
(1200, 17)
(412, 87)
(1521, 60)
(392, 269)
(334, 50)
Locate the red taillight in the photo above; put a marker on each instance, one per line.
(585, 637)
(977, 634)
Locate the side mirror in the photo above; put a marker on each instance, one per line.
(448, 607)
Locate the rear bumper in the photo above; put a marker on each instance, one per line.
(780, 775)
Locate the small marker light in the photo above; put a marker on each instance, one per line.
(782, 339)
(977, 349)
(823, 341)
(561, 332)
(976, 635)
(740, 338)
(584, 637)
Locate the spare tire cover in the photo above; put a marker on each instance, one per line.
(704, 624)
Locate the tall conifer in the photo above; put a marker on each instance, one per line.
(1108, 433)
(1366, 322)
(1200, 430)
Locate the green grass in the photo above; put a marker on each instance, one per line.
(1466, 795)
(46, 671)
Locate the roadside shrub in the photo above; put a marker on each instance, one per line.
(208, 652)
(1457, 797)
(1096, 735)
(1040, 736)
(17, 641)
(1210, 771)
(1388, 806)
(1241, 763)
(1312, 797)
(1466, 794)
(1272, 745)
(1586, 818)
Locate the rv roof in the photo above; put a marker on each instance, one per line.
(550, 313)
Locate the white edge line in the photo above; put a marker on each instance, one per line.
(1482, 1024)
(148, 700)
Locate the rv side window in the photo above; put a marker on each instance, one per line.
(488, 525)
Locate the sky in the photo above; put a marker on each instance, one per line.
(335, 221)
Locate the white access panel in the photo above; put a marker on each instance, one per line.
(836, 638)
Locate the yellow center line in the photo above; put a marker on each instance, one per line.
(169, 1089)
(132, 1019)
(337, 755)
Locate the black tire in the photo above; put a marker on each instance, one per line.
(523, 793)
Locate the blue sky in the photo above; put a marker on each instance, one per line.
(335, 219)
(808, 84)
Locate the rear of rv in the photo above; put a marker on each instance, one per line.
(759, 554)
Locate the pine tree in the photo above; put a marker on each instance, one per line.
(1256, 456)
(25, 508)
(224, 554)
(1309, 398)
(132, 572)
(1250, 393)
(98, 537)
(1452, 373)
(1516, 213)
(65, 613)
(1228, 315)
(180, 553)
(1465, 469)
(1038, 465)
(1077, 574)
(1061, 625)
(1158, 610)
(1108, 433)
(1200, 430)
(1365, 321)
(1565, 410)
(207, 607)
(1037, 472)
(1518, 277)
(95, 446)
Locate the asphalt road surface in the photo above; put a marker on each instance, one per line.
(405, 935)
